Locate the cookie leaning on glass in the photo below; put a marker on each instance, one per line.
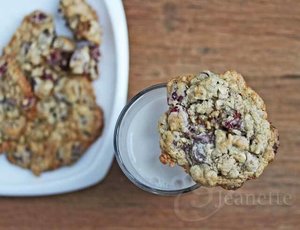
(216, 128)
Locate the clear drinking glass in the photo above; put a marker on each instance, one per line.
(137, 150)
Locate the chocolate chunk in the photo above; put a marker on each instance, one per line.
(38, 17)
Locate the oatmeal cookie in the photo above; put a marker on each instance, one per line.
(32, 40)
(82, 20)
(44, 147)
(45, 57)
(17, 103)
(216, 128)
(30, 45)
(48, 111)
(67, 123)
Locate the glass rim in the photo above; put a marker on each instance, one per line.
(118, 154)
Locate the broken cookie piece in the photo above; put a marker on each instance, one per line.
(82, 20)
(32, 40)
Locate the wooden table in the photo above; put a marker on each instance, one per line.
(260, 39)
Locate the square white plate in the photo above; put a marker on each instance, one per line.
(111, 91)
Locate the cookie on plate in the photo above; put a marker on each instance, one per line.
(30, 45)
(17, 103)
(82, 20)
(44, 147)
(45, 57)
(216, 128)
(66, 124)
(46, 98)
(32, 40)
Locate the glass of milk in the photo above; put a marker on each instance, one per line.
(136, 143)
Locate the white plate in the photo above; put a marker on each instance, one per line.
(111, 91)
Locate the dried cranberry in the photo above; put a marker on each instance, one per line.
(174, 95)
(55, 57)
(60, 58)
(180, 98)
(174, 110)
(95, 52)
(42, 16)
(237, 114)
(234, 123)
(3, 69)
(38, 17)
(47, 76)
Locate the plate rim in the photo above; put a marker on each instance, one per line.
(92, 176)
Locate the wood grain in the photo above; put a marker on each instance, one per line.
(260, 39)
